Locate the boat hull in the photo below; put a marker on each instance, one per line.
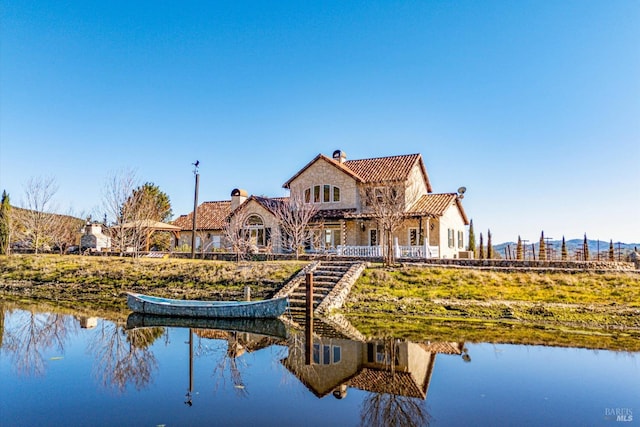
(267, 327)
(146, 304)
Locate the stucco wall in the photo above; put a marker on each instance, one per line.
(416, 186)
(452, 220)
(320, 173)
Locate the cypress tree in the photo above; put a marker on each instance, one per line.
(585, 248)
(472, 239)
(565, 255)
(489, 247)
(542, 250)
(5, 224)
(519, 253)
(481, 255)
(612, 255)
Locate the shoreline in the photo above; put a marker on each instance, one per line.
(416, 296)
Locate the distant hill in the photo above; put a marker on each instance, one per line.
(574, 248)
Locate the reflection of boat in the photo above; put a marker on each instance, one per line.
(268, 327)
(270, 308)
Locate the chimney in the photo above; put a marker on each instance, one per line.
(339, 156)
(238, 196)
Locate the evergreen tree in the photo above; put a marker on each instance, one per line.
(612, 256)
(481, 255)
(489, 247)
(472, 239)
(5, 224)
(519, 252)
(542, 250)
(564, 255)
(585, 248)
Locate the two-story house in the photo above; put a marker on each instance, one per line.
(356, 203)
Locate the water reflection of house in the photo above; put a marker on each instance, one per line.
(238, 343)
(381, 366)
(87, 322)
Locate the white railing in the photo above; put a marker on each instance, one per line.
(417, 252)
(359, 251)
(400, 251)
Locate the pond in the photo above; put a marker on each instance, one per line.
(71, 370)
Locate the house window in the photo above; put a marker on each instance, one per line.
(377, 353)
(331, 238)
(460, 239)
(373, 237)
(256, 232)
(307, 195)
(413, 237)
(326, 193)
(316, 194)
(368, 197)
(379, 195)
(215, 242)
(326, 354)
(337, 354)
(451, 237)
(336, 194)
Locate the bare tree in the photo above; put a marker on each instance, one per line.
(294, 217)
(132, 209)
(387, 205)
(234, 233)
(32, 336)
(124, 357)
(117, 190)
(36, 218)
(64, 231)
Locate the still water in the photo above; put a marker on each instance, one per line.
(66, 370)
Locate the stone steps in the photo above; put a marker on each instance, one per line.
(325, 277)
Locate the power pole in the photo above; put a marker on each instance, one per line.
(195, 210)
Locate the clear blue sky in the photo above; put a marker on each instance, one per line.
(534, 106)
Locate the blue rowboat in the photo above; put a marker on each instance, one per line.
(146, 304)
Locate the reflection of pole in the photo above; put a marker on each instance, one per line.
(195, 213)
(189, 393)
(309, 320)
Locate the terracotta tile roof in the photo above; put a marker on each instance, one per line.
(211, 216)
(333, 213)
(269, 203)
(437, 204)
(442, 347)
(378, 381)
(379, 169)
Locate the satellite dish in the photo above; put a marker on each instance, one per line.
(462, 190)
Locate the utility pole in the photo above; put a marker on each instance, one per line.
(195, 209)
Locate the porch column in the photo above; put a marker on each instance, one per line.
(428, 232)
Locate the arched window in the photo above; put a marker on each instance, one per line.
(256, 233)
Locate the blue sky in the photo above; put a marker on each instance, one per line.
(534, 106)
